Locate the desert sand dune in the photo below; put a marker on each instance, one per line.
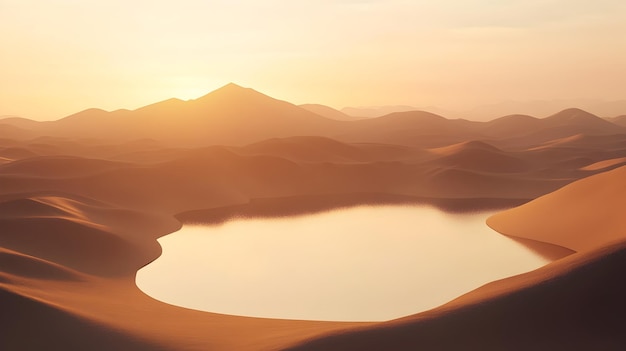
(520, 131)
(576, 116)
(83, 200)
(321, 149)
(478, 156)
(578, 224)
(604, 165)
(17, 153)
(511, 126)
(15, 133)
(52, 327)
(22, 265)
(57, 166)
(310, 149)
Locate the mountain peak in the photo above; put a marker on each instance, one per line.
(576, 116)
(231, 91)
(232, 85)
(573, 114)
(232, 88)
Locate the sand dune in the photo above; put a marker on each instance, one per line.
(578, 117)
(56, 167)
(311, 149)
(83, 200)
(578, 224)
(15, 133)
(511, 126)
(604, 165)
(478, 156)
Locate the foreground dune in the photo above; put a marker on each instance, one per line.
(70, 284)
(582, 216)
(86, 282)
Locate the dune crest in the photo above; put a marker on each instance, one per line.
(578, 223)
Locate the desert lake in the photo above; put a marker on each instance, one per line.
(364, 263)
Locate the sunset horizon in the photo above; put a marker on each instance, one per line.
(331, 175)
(490, 111)
(66, 57)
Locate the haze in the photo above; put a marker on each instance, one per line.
(65, 56)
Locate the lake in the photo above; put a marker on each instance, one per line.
(364, 263)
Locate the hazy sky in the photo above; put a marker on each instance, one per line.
(59, 57)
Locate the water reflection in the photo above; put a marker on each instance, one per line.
(363, 263)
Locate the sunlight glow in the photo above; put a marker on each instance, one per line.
(63, 56)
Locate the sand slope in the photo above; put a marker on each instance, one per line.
(582, 215)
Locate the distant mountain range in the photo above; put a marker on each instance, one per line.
(605, 109)
(233, 115)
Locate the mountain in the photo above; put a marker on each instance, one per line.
(229, 115)
(578, 117)
(544, 107)
(619, 120)
(415, 128)
(476, 156)
(236, 116)
(527, 131)
(328, 112)
(376, 111)
(511, 125)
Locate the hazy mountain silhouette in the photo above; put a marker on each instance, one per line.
(418, 128)
(376, 111)
(229, 115)
(328, 112)
(233, 115)
(543, 108)
(578, 117)
(619, 120)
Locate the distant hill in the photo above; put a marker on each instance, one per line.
(543, 108)
(229, 115)
(416, 128)
(328, 112)
(376, 111)
(578, 117)
(237, 116)
(619, 120)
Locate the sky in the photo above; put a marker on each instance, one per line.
(60, 57)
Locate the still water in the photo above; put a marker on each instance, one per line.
(366, 263)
